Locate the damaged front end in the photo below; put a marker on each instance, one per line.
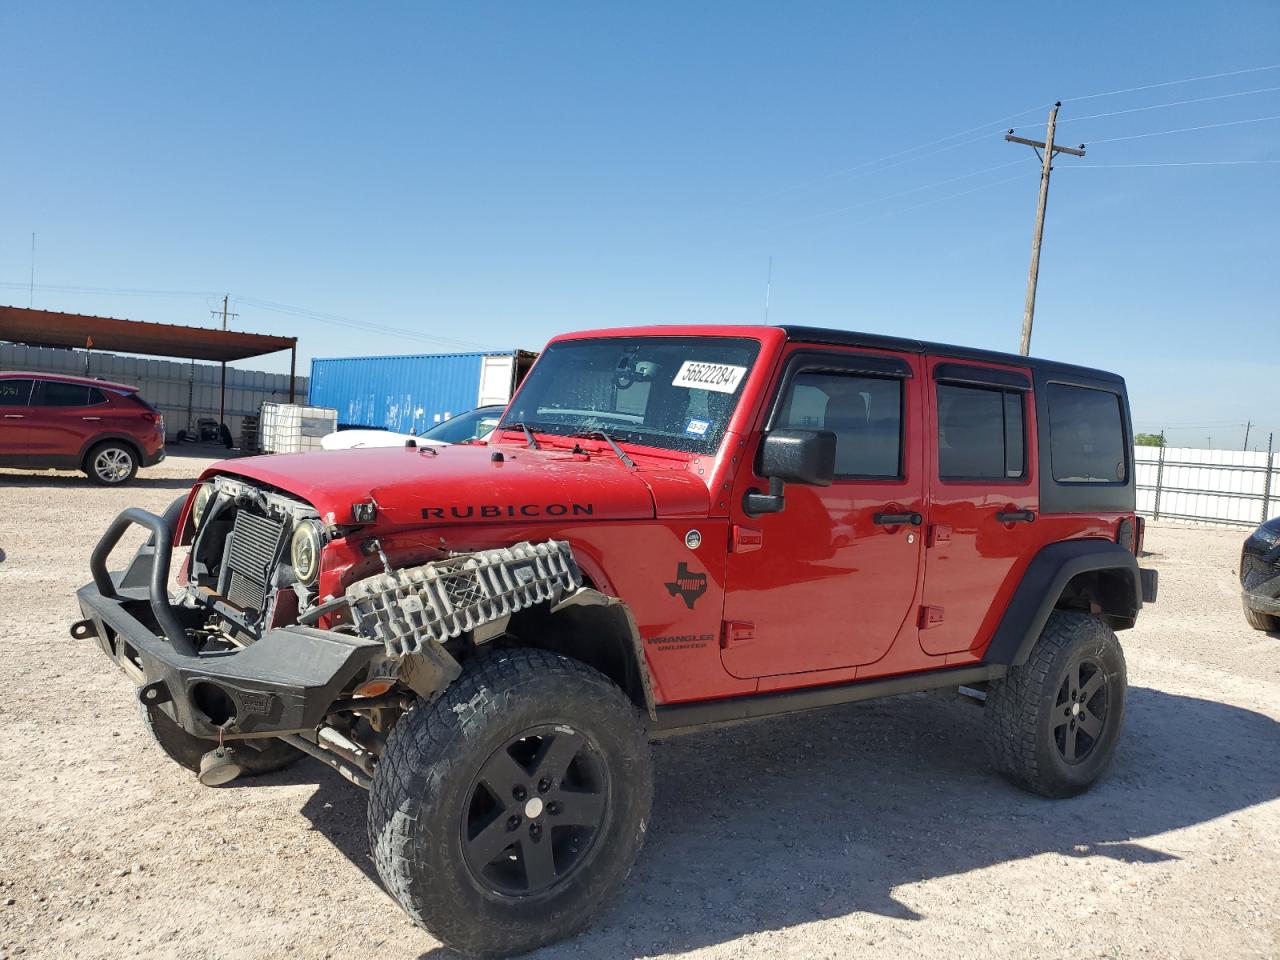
(237, 653)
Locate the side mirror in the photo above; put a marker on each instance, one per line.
(792, 456)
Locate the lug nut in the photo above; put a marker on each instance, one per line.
(554, 808)
(519, 793)
(535, 831)
(513, 822)
(544, 785)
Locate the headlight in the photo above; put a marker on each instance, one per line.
(304, 551)
(203, 496)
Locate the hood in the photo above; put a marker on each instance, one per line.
(465, 484)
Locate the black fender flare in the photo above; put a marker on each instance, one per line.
(1043, 583)
(624, 623)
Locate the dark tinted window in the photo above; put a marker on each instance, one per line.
(58, 394)
(14, 393)
(865, 414)
(1086, 435)
(980, 434)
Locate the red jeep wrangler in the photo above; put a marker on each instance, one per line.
(672, 527)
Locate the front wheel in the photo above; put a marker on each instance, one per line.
(251, 757)
(1053, 722)
(503, 814)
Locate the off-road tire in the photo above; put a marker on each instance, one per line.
(1261, 621)
(255, 758)
(112, 463)
(1023, 712)
(425, 784)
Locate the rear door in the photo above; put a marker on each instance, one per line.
(15, 411)
(984, 498)
(831, 581)
(64, 417)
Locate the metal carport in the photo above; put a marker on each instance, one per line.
(47, 328)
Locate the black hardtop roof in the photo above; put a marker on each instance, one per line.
(876, 341)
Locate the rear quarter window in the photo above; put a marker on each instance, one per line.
(1086, 435)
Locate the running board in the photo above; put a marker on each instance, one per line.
(733, 709)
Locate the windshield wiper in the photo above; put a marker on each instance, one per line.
(530, 440)
(622, 454)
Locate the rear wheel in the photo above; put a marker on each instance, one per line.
(252, 757)
(111, 464)
(1053, 722)
(1261, 621)
(503, 814)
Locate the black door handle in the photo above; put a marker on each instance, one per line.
(897, 519)
(1014, 516)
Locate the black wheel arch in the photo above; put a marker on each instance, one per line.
(597, 630)
(1093, 575)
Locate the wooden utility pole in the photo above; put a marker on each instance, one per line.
(222, 396)
(1029, 311)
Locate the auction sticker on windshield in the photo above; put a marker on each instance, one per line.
(719, 377)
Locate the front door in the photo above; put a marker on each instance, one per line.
(831, 580)
(63, 418)
(985, 498)
(15, 426)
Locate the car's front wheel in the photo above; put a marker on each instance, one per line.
(503, 814)
(1053, 722)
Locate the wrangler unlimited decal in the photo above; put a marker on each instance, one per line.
(491, 511)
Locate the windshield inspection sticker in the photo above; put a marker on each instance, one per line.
(720, 377)
(697, 428)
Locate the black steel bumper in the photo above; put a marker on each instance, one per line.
(283, 683)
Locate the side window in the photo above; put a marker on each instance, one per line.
(15, 393)
(96, 397)
(865, 414)
(980, 433)
(58, 394)
(1086, 435)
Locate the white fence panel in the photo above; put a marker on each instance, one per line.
(1213, 486)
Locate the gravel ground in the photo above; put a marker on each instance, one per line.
(873, 829)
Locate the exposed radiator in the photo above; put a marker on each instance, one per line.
(253, 549)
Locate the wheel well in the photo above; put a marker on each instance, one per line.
(1107, 593)
(599, 635)
(122, 441)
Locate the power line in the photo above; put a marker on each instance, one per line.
(915, 206)
(1203, 126)
(901, 193)
(1176, 163)
(1171, 83)
(1172, 103)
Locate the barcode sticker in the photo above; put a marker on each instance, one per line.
(718, 377)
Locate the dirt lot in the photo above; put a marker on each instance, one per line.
(872, 830)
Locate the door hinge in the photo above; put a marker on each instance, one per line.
(931, 616)
(734, 633)
(939, 533)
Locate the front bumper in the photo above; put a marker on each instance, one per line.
(285, 682)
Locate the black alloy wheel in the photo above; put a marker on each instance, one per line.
(535, 809)
(1080, 715)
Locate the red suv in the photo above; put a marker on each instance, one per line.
(671, 528)
(51, 421)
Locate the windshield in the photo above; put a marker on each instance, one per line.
(465, 426)
(672, 392)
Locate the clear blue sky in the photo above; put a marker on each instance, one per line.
(497, 174)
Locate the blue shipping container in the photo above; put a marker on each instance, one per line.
(411, 394)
